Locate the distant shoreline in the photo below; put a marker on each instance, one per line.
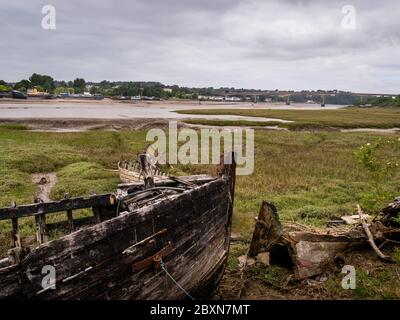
(173, 104)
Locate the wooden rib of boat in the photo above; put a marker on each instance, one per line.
(124, 251)
(131, 171)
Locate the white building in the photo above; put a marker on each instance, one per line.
(233, 99)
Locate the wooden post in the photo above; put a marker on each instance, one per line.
(40, 219)
(227, 170)
(70, 217)
(70, 221)
(41, 233)
(15, 238)
(148, 179)
(97, 214)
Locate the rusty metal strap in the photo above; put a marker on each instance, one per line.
(154, 259)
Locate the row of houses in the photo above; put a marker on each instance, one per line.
(219, 98)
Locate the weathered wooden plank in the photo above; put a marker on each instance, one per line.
(268, 230)
(227, 171)
(196, 179)
(10, 282)
(70, 220)
(151, 282)
(66, 225)
(41, 232)
(15, 237)
(97, 214)
(57, 206)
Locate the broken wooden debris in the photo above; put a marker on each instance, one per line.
(313, 252)
(268, 229)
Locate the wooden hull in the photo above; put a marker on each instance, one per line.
(130, 172)
(118, 258)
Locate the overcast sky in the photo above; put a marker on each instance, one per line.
(285, 44)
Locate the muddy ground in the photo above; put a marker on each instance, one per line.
(78, 125)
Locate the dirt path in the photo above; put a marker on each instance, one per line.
(45, 182)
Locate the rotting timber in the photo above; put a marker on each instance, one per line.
(182, 224)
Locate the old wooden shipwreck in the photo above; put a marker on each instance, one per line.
(164, 239)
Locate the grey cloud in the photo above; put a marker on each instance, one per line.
(243, 43)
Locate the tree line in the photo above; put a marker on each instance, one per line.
(46, 83)
(379, 102)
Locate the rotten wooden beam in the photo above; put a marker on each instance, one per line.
(267, 231)
(169, 181)
(57, 206)
(309, 253)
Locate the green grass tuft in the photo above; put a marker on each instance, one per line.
(84, 178)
